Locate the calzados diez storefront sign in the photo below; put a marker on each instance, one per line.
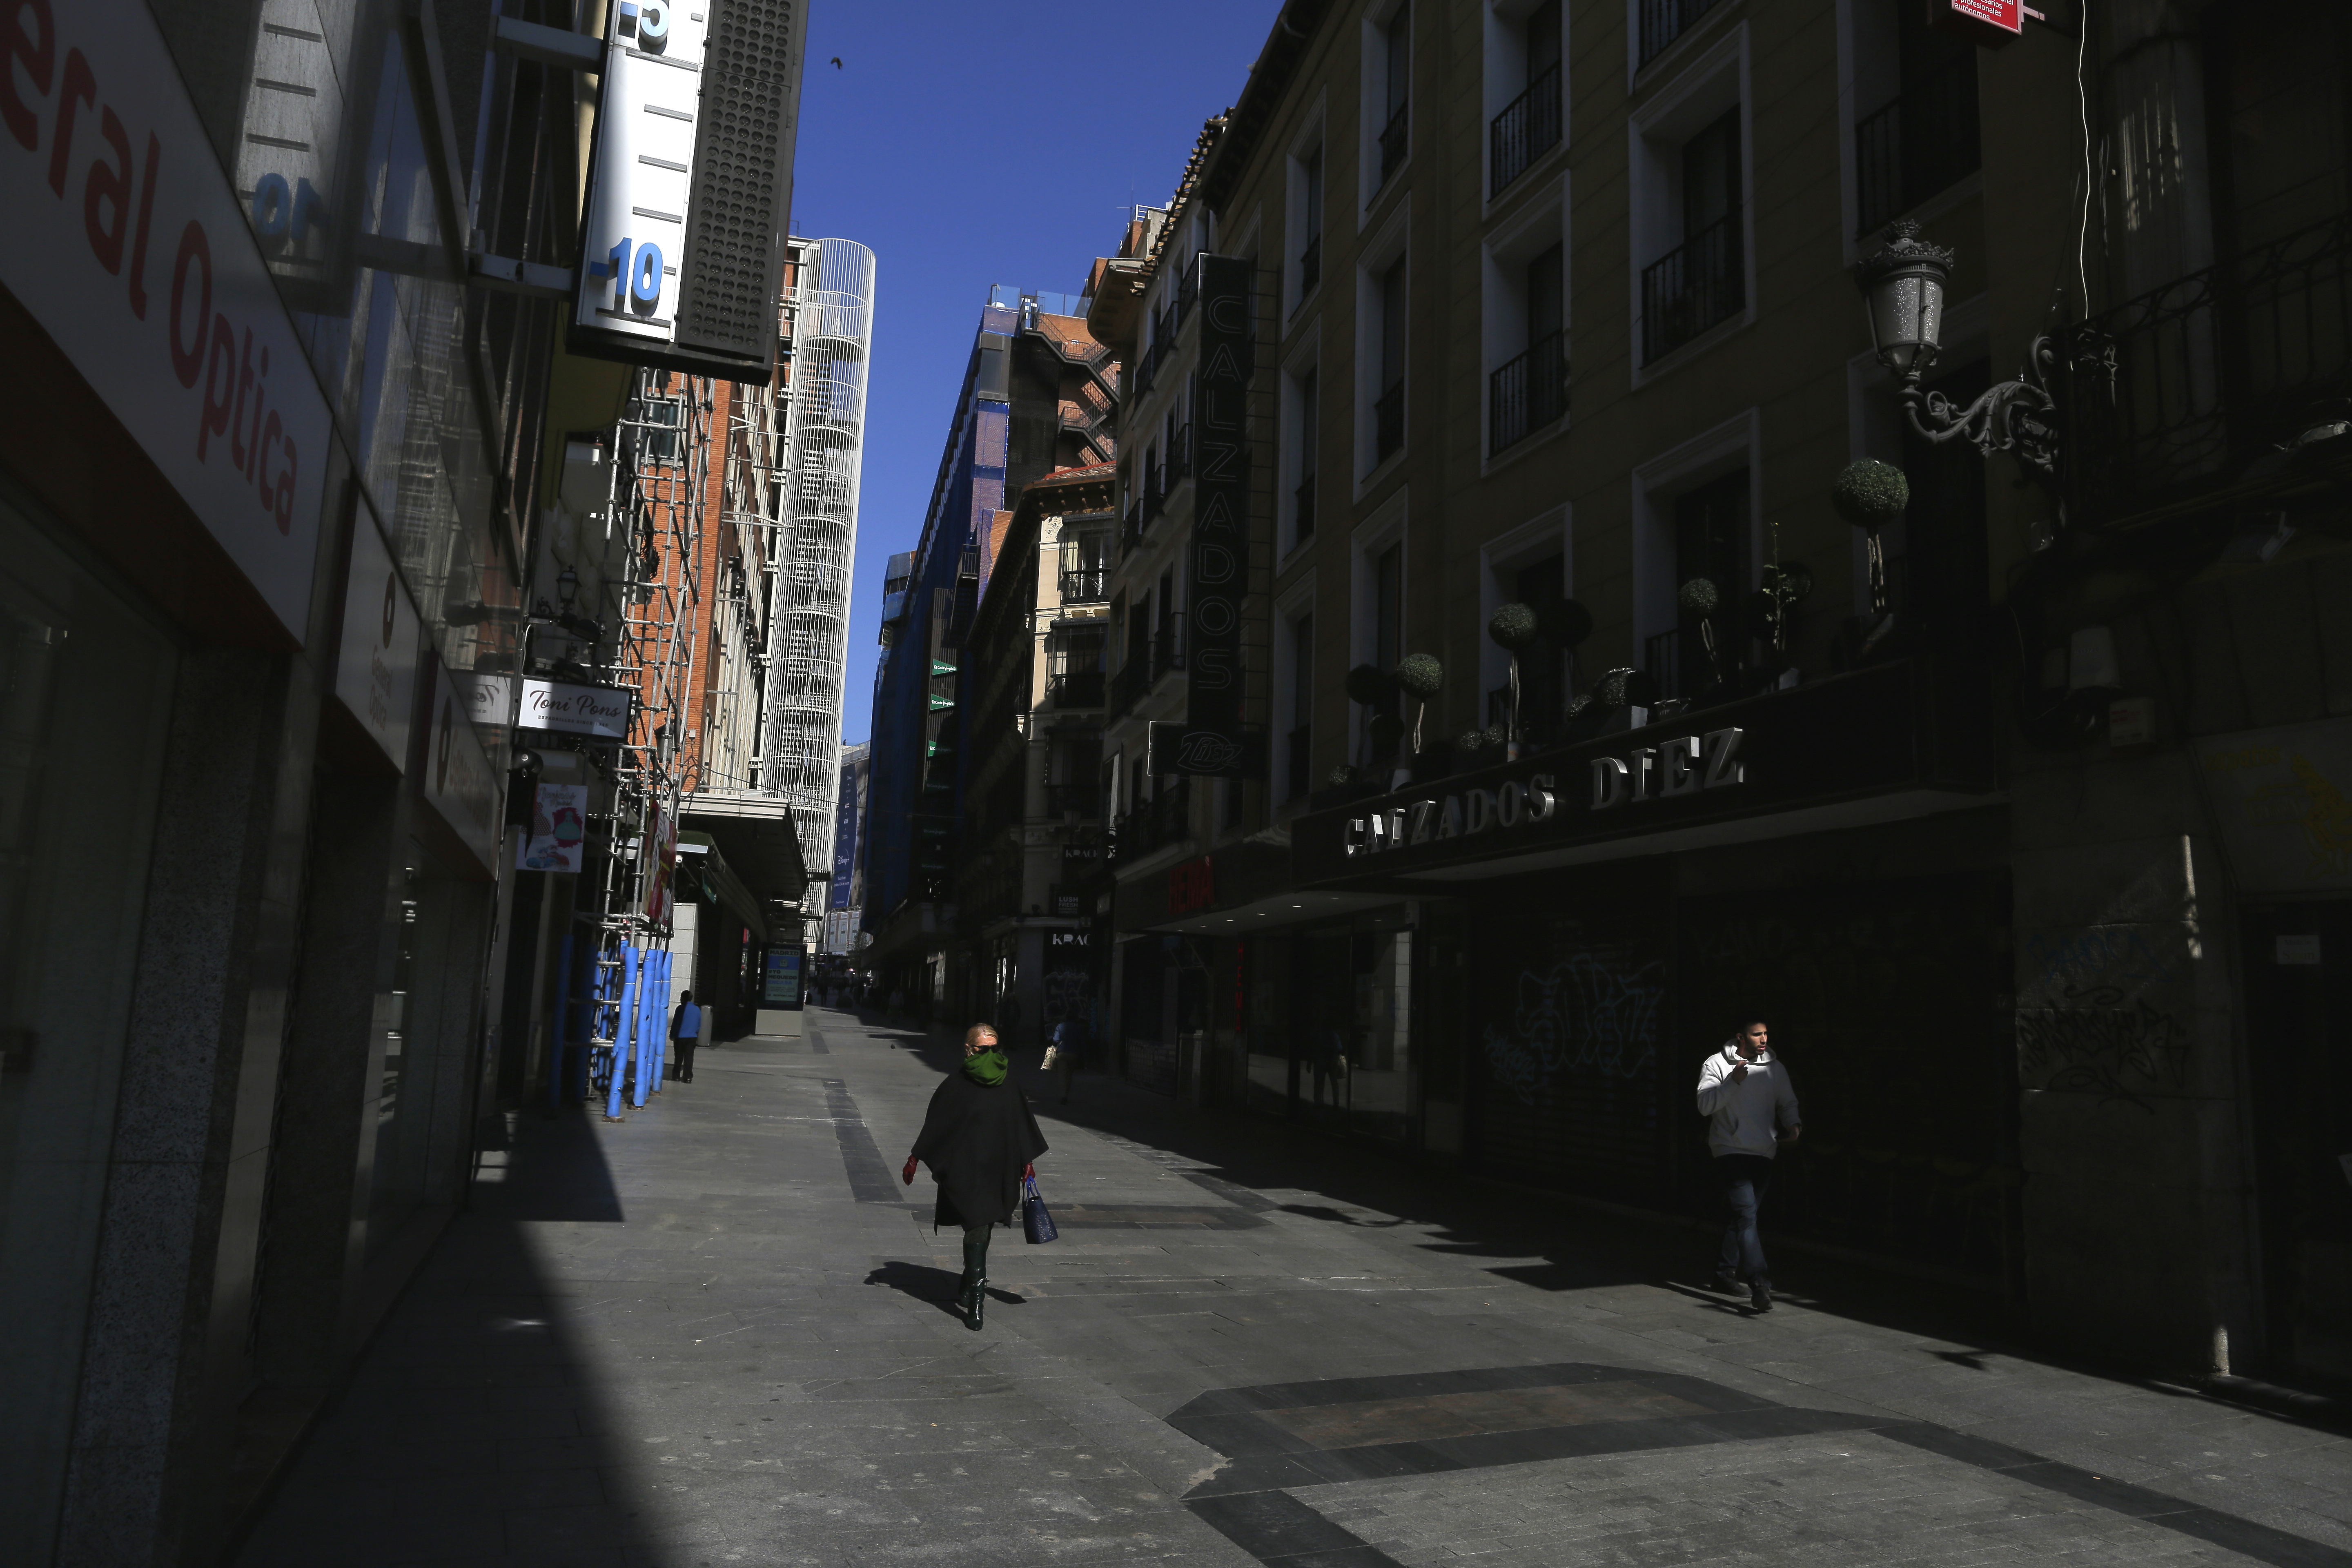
(1683, 765)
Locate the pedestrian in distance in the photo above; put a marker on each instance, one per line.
(1067, 1051)
(1751, 1107)
(685, 1034)
(979, 1139)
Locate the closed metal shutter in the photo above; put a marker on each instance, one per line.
(742, 195)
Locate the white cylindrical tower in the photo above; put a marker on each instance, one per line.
(809, 628)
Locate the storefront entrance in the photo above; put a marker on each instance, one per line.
(2297, 965)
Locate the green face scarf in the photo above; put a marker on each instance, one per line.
(988, 1068)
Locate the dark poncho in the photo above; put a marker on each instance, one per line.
(975, 1139)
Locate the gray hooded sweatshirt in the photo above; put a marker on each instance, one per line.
(1742, 1115)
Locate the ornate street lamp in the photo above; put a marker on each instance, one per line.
(1904, 284)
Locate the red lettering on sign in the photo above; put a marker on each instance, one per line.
(1192, 885)
(40, 60)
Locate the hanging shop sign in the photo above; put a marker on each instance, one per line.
(1191, 885)
(459, 783)
(1217, 558)
(559, 829)
(375, 671)
(1989, 23)
(563, 708)
(1847, 739)
(663, 870)
(128, 244)
(2280, 796)
(689, 193)
(490, 698)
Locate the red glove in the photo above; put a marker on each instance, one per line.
(1029, 1172)
(908, 1174)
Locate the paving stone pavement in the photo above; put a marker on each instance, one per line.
(718, 1333)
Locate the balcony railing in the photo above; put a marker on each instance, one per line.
(1693, 287)
(1085, 585)
(1180, 457)
(1302, 516)
(1166, 818)
(1663, 21)
(1394, 137)
(2173, 395)
(1299, 755)
(1188, 288)
(1074, 689)
(1524, 131)
(1388, 424)
(1925, 141)
(1526, 394)
(1151, 494)
(1310, 267)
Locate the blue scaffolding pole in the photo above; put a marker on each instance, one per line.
(624, 1030)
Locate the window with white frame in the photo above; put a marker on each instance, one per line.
(1302, 261)
(1388, 95)
(1301, 429)
(1914, 107)
(1383, 319)
(1526, 323)
(1690, 204)
(1697, 516)
(1294, 698)
(1525, 92)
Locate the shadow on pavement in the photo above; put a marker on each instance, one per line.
(473, 1429)
(1553, 1245)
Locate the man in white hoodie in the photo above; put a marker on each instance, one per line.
(1751, 1109)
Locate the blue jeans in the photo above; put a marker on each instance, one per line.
(1744, 1178)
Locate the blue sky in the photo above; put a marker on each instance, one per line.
(978, 144)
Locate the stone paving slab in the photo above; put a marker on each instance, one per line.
(715, 1333)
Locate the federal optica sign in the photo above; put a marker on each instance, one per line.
(128, 244)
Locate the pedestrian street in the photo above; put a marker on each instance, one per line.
(720, 1331)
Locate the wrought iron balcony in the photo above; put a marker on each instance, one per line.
(1074, 689)
(1388, 424)
(1525, 131)
(1663, 21)
(1188, 288)
(1151, 494)
(1699, 283)
(1310, 266)
(1394, 137)
(1085, 585)
(1180, 457)
(1925, 141)
(1526, 394)
(2196, 393)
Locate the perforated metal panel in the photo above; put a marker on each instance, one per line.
(740, 200)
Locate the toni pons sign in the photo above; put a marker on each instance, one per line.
(1683, 765)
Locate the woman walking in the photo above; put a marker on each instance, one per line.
(979, 1138)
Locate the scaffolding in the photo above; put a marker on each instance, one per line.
(660, 474)
(808, 627)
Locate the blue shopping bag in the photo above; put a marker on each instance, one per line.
(1036, 1223)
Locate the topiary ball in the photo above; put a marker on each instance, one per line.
(1367, 684)
(1699, 598)
(1340, 777)
(1421, 675)
(1496, 735)
(1470, 740)
(1565, 621)
(1513, 627)
(1610, 689)
(1578, 704)
(1871, 494)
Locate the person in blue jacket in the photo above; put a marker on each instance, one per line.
(685, 1034)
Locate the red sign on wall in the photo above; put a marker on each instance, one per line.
(1991, 23)
(1192, 885)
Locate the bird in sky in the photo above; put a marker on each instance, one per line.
(836, 62)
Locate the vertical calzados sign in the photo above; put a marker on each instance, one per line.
(690, 194)
(1218, 562)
